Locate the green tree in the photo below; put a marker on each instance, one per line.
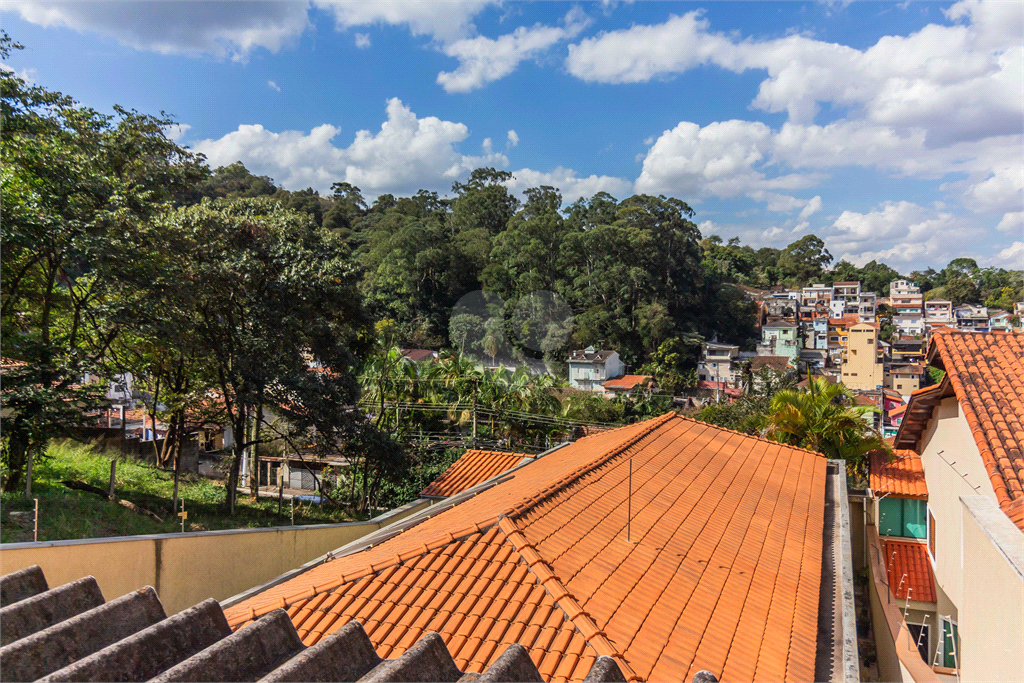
(805, 259)
(962, 290)
(271, 301)
(79, 189)
(825, 419)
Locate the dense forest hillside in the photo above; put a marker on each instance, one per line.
(636, 273)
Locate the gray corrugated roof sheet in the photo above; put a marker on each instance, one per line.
(62, 634)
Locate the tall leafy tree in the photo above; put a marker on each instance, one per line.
(271, 301)
(79, 187)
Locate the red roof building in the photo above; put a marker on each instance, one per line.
(474, 467)
(670, 545)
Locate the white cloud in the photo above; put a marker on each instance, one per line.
(1002, 191)
(274, 86)
(220, 28)
(958, 82)
(1011, 258)
(1012, 222)
(812, 207)
(513, 139)
(902, 233)
(27, 75)
(233, 28)
(483, 60)
(571, 187)
(443, 20)
(407, 153)
(724, 159)
(362, 40)
(177, 131)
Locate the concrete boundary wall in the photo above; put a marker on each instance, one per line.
(186, 569)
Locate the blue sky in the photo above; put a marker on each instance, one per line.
(893, 131)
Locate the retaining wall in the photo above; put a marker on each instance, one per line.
(186, 569)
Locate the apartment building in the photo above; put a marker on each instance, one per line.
(906, 298)
(904, 378)
(971, 318)
(815, 333)
(862, 367)
(780, 338)
(839, 337)
(719, 368)
(938, 312)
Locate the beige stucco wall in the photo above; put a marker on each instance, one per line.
(991, 619)
(949, 433)
(861, 369)
(188, 568)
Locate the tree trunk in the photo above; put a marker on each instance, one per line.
(254, 474)
(28, 472)
(238, 453)
(180, 423)
(16, 461)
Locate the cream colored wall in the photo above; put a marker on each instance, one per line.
(991, 619)
(188, 568)
(861, 370)
(949, 433)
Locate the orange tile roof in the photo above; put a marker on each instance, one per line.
(910, 572)
(903, 476)
(469, 470)
(898, 410)
(626, 381)
(722, 570)
(986, 372)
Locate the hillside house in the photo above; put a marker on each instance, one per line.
(719, 367)
(629, 385)
(589, 368)
(905, 378)
(971, 318)
(862, 367)
(780, 338)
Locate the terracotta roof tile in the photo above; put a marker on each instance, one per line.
(903, 476)
(721, 570)
(627, 381)
(910, 572)
(472, 468)
(986, 372)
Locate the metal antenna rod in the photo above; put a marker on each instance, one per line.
(629, 503)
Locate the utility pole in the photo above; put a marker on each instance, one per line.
(475, 387)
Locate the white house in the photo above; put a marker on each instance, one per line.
(589, 368)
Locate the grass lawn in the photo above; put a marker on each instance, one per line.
(68, 514)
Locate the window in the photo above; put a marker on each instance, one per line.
(949, 648)
(902, 517)
(919, 634)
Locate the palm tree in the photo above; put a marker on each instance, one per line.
(824, 418)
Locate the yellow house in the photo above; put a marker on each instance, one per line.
(862, 367)
(965, 541)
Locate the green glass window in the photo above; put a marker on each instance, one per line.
(950, 644)
(902, 517)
